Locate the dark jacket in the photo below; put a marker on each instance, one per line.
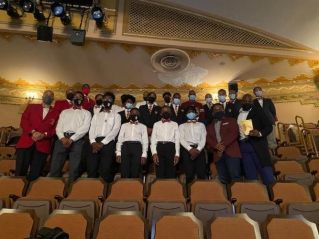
(208, 114)
(124, 119)
(232, 109)
(179, 117)
(148, 118)
(268, 108)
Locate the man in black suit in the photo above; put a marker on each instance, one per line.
(208, 109)
(233, 105)
(128, 102)
(269, 109)
(253, 142)
(177, 114)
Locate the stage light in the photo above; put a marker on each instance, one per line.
(57, 9)
(66, 18)
(3, 4)
(14, 10)
(27, 5)
(97, 14)
(38, 15)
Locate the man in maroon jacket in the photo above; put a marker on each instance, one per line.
(222, 139)
(88, 103)
(38, 123)
(192, 102)
(61, 105)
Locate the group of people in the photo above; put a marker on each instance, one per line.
(96, 136)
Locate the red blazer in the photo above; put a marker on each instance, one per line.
(198, 106)
(229, 133)
(32, 120)
(88, 103)
(61, 105)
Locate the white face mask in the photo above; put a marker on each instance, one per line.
(259, 93)
(209, 100)
(232, 96)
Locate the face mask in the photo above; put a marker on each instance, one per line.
(77, 102)
(192, 97)
(218, 115)
(86, 91)
(70, 96)
(133, 118)
(145, 98)
(47, 100)
(247, 106)
(259, 93)
(128, 105)
(166, 115)
(176, 101)
(191, 115)
(232, 96)
(151, 99)
(107, 104)
(209, 100)
(167, 99)
(99, 102)
(222, 98)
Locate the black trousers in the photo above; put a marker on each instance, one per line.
(195, 166)
(30, 157)
(131, 154)
(166, 154)
(100, 163)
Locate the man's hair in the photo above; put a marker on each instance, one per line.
(109, 93)
(97, 95)
(79, 92)
(167, 93)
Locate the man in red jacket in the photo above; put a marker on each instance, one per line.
(192, 102)
(88, 103)
(38, 123)
(61, 105)
(222, 139)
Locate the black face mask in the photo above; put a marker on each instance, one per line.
(247, 106)
(47, 100)
(167, 99)
(77, 102)
(166, 115)
(70, 96)
(218, 115)
(133, 118)
(99, 102)
(151, 99)
(107, 104)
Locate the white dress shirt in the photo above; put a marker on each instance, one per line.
(133, 132)
(242, 116)
(75, 121)
(116, 108)
(97, 109)
(45, 111)
(105, 124)
(176, 108)
(191, 134)
(261, 102)
(165, 132)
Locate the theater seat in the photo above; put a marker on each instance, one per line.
(316, 191)
(42, 197)
(208, 199)
(238, 226)
(296, 200)
(165, 196)
(121, 225)
(10, 186)
(179, 226)
(125, 195)
(16, 224)
(291, 153)
(75, 223)
(252, 198)
(85, 194)
(313, 166)
(7, 167)
(292, 227)
(7, 152)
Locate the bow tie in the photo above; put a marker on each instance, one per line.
(76, 108)
(191, 121)
(166, 121)
(133, 122)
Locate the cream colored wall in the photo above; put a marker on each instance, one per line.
(11, 114)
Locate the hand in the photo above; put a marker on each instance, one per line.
(220, 147)
(176, 159)
(94, 147)
(143, 160)
(155, 159)
(36, 136)
(193, 153)
(99, 146)
(69, 142)
(254, 133)
(64, 141)
(149, 131)
(118, 159)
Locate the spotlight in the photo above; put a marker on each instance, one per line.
(27, 5)
(3, 4)
(97, 14)
(14, 10)
(57, 9)
(66, 18)
(38, 15)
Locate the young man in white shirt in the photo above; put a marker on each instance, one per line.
(105, 126)
(165, 145)
(132, 146)
(98, 104)
(193, 140)
(72, 125)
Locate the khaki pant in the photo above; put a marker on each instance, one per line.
(271, 138)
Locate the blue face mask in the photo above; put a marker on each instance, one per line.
(191, 115)
(232, 96)
(222, 98)
(128, 105)
(192, 97)
(176, 101)
(209, 100)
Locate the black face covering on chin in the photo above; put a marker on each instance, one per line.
(247, 106)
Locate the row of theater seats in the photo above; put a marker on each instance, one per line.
(19, 224)
(205, 198)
